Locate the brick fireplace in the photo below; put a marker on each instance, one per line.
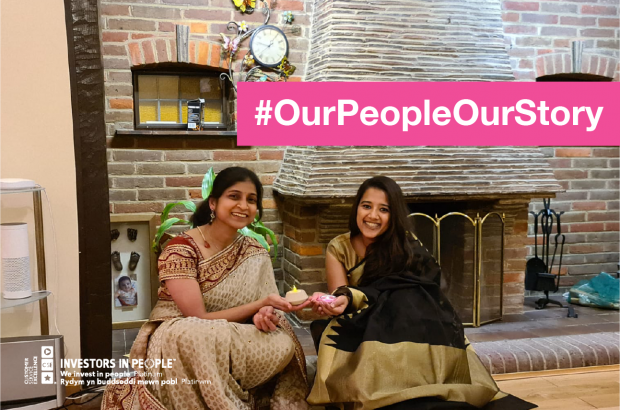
(315, 188)
(393, 40)
(358, 40)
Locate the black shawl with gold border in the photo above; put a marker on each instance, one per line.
(401, 347)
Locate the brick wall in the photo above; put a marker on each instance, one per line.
(539, 33)
(144, 181)
(139, 32)
(147, 173)
(590, 223)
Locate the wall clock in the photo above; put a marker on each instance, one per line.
(268, 46)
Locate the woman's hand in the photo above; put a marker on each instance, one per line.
(282, 304)
(278, 302)
(266, 319)
(335, 308)
(314, 299)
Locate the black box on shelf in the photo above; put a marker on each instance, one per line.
(194, 114)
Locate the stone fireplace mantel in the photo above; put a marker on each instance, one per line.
(395, 40)
(319, 173)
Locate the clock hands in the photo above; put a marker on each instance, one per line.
(267, 47)
(272, 39)
(264, 48)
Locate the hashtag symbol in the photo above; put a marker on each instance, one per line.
(263, 112)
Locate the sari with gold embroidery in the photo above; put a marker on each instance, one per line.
(215, 364)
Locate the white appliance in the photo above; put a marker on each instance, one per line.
(16, 283)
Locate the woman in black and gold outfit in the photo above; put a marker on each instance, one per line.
(396, 343)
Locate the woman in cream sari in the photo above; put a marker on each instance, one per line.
(217, 329)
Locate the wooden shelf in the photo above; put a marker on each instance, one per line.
(172, 133)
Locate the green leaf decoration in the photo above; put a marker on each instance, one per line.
(207, 183)
(261, 229)
(189, 205)
(163, 228)
(260, 238)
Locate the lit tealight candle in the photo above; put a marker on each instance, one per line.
(296, 296)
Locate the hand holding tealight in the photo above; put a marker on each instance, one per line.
(329, 305)
(284, 304)
(296, 296)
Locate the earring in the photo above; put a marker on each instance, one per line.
(212, 217)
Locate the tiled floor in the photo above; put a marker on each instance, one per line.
(122, 340)
(551, 321)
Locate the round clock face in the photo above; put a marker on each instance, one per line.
(268, 46)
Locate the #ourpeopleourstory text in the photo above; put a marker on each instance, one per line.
(465, 112)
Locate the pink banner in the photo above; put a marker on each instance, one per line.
(428, 113)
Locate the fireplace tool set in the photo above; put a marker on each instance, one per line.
(539, 275)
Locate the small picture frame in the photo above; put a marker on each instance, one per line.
(134, 278)
(126, 292)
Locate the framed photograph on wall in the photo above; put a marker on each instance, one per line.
(134, 277)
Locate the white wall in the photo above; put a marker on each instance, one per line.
(37, 143)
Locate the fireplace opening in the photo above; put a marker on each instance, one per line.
(467, 239)
(491, 186)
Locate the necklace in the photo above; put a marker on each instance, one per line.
(206, 244)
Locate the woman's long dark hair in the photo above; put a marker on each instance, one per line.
(391, 252)
(224, 180)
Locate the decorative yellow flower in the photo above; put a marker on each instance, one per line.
(287, 68)
(243, 27)
(248, 59)
(243, 4)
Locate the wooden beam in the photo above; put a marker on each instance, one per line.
(87, 100)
